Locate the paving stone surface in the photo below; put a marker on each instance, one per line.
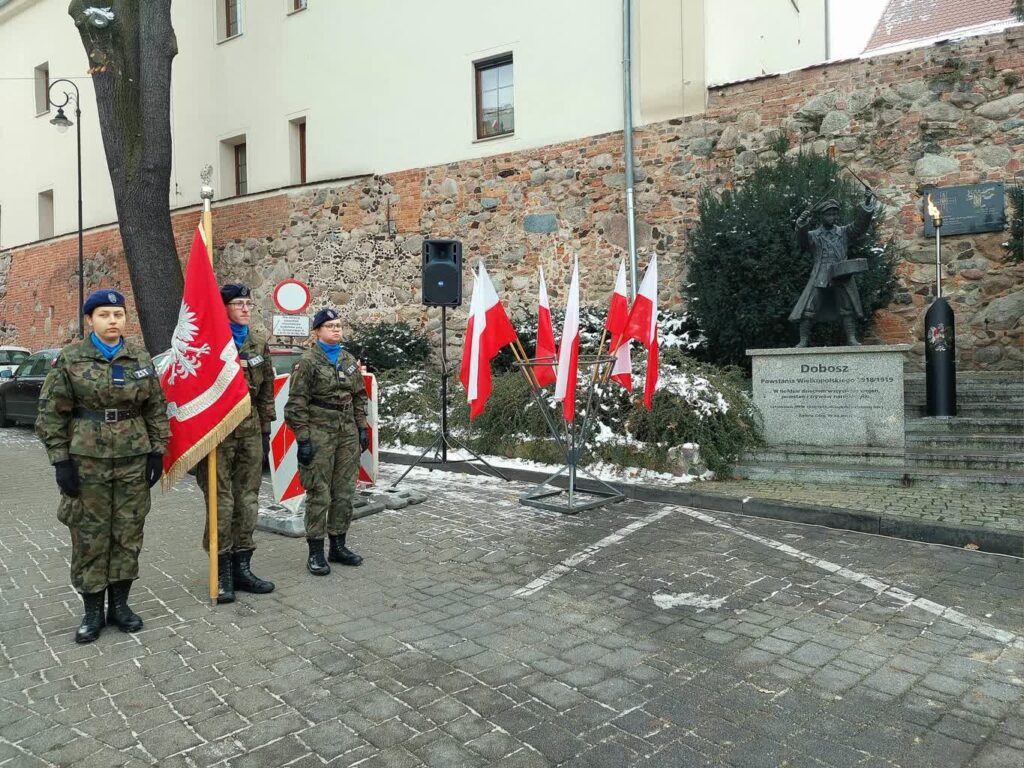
(993, 509)
(482, 633)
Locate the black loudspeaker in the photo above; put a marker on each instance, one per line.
(442, 273)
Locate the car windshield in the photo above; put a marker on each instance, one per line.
(12, 356)
(285, 359)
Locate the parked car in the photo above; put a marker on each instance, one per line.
(283, 358)
(12, 357)
(19, 392)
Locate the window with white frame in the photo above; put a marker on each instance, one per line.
(229, 19)
(41, 75)
(45, 204)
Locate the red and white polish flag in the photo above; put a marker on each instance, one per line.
(489, 330)
(569, 349)
(642, 325)
(545, 374)
(207, 395)
(618, 313)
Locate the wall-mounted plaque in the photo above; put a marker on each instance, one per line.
(968, 209)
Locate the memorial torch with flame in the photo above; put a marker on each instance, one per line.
(939, 337)
(936, 214)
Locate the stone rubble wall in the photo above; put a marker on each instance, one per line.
(946, 114)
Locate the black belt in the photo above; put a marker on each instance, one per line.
(108, 415)
(327, 405)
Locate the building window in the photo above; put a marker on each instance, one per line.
(494, 110)
(297, 131)
(229, 18)
(42, 78)
(241, 173)
(46, 214)
(297, 5)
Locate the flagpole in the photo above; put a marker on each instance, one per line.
(206, 193)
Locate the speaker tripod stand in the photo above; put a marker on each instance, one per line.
(444, 441)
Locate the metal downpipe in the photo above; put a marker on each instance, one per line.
(627, 132)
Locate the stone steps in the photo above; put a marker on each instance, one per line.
(1011, 409)
(950, 458)
(966, 441)
(880, 476)
(1006, 425)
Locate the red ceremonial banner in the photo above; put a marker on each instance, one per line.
(207, 395)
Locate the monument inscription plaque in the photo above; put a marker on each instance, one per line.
(831, 395)
(968, 209)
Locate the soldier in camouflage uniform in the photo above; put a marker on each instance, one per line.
(102, 417)
(240, 457)
(326, 410)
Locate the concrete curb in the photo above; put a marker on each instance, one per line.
(280, 520)
(987, 540)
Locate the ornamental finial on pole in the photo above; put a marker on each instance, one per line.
(206, 190)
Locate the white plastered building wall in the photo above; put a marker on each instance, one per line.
(382, 86)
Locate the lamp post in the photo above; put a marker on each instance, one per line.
(63, 123)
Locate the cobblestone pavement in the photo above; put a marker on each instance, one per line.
(990, 508)
(481, 633)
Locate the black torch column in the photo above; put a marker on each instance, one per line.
(939, 338)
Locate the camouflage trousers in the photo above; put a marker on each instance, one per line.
(106, 521)
(330, 482)
(239, 474)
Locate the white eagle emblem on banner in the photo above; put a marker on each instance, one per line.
(184, 356)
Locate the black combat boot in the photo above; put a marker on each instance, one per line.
(850, 326)
(118, 612)
(339, 553)
(245, 580)
(316, 563)
(92, 621)
(805, 333)
(225, 580)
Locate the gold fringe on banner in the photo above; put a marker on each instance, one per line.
(210, 441)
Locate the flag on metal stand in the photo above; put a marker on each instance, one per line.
(618, 314)
(642, 325)
(488, 330)
(569, 349)
(544, 374)
(207, 395)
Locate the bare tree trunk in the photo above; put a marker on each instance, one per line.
(130, 61)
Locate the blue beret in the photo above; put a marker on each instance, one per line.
(104, 297)
(324, 315)
(233, 291)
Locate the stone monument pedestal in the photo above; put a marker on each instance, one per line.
(831, 396)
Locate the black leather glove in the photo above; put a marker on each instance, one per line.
(67, 478)
(305, 452)
(266, 446)
(154, 468)
(364, 439)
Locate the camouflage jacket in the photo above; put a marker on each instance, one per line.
(259, 374)
(82, 378)
(315, 379)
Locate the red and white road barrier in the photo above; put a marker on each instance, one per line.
(284, 464)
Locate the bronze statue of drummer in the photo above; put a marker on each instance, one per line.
(831, 291)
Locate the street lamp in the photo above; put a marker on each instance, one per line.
(62, 123)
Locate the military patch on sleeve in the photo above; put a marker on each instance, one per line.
(351, 369)
(142, 373)
(255, 360)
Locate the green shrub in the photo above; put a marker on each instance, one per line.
(746, 269)
(1015, 245)
(699, 404)
(694, 403)
(386, 346)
